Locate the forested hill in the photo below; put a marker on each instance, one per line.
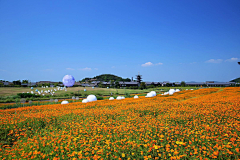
(236, 80)
(108, 77)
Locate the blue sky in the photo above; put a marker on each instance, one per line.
(163, 40)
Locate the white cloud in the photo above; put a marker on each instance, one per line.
(69, 69)
(151, 64)
(147, 64)
(86, 69)
(159, 64)
(113, 66)
(2, 70)
(232, 59)
(96, 68)
(214, 61)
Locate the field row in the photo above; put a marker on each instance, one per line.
(200, 124)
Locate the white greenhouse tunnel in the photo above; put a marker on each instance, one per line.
(64, 102)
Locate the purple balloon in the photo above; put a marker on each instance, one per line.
(68, 80)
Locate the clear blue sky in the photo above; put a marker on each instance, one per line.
(164, 40)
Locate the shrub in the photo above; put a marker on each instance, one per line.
(127, 95)
(99, 98)
(27, 95)
(99, 94)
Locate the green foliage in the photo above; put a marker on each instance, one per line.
(151, 86)
(100, 85)
(143, 85)
(18, 82)
(183, 84)
(98, 94)
(27, 95)
(117, 85)
(236, 80)
(112, 83)
(24, 81)
(99, 98)
(127, 95)
(107, 77)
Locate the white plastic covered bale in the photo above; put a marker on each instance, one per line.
(150, 95)
(135, 97)
(91, 98)
(171, 91)
(119, 98)
(64, 102)
(166, 93)
(85, 101)
(154, 93)
(111, 98)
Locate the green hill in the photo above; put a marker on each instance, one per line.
(108, 77)
(236, 80)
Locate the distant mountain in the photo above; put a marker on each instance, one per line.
(236, 80)
(107, 77)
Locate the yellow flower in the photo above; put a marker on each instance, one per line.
(123, 155)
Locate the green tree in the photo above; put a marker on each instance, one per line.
(100, 85)
(183, 84)
(143, 85)
(167, 84)
(112, 83)
(24, 81)
(18, 82)
(117, 85)
(127, 80)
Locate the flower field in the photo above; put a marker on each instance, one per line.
(192, 124)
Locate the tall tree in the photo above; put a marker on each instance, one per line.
(112, 83)
(18, 82)
(183, 84)
(24, 81)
